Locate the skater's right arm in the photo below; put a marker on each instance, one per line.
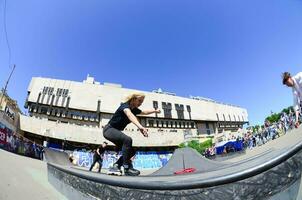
(134, 120)
(296, 107)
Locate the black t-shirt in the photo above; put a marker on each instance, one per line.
(120, 119)
(101, 151)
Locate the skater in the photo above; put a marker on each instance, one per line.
(125, 114)
(98, 156)
(295, 82)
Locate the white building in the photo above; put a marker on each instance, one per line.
(77, 112)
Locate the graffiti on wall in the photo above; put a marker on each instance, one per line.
(142, 160)
(17, 144)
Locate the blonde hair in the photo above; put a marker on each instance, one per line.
(134, 96)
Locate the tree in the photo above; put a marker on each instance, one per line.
(200, 147)
(275, 117)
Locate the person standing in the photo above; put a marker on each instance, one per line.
(125, 114)
(295, 82)
(98, 156)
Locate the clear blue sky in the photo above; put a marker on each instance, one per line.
(231, 51)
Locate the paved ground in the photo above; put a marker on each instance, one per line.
(24, 178)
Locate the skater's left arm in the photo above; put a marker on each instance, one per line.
(148, 112)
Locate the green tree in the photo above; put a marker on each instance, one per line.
(200, 147)
(275, 117)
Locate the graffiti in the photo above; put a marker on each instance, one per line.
(83, 159)
(142, 160)
(17, 144)
(2, 137)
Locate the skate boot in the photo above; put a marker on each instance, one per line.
(115, 170)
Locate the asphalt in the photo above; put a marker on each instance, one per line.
(25, 179)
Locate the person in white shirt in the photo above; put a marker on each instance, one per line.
(295, 82)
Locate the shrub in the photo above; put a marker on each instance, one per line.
(200, 147)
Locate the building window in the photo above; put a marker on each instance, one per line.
(151, 122)
(180, 111)
(45, 89)
(223, 117)
(234, 118)
(189, 111)
(59, 91)
(43, 110)
(192, 125)
(217, 116)
(50, 91)
(65, 92)
(155, 104)
(167, 107)
(230, 117)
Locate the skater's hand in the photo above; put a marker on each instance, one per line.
(144, 131)
(297, 124)
(157, 111)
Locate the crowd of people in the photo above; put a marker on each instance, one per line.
(270, 131)
(253, 138)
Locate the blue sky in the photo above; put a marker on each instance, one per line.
(230, 51)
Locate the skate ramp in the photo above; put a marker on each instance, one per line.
(185, 158)
(56, 157)
(269, 172)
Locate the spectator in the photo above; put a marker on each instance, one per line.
(98, 156)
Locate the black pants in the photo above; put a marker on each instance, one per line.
(95, 160)
(123, 142)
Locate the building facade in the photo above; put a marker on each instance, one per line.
(63, 110)
(9, 118)
(9, 112)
